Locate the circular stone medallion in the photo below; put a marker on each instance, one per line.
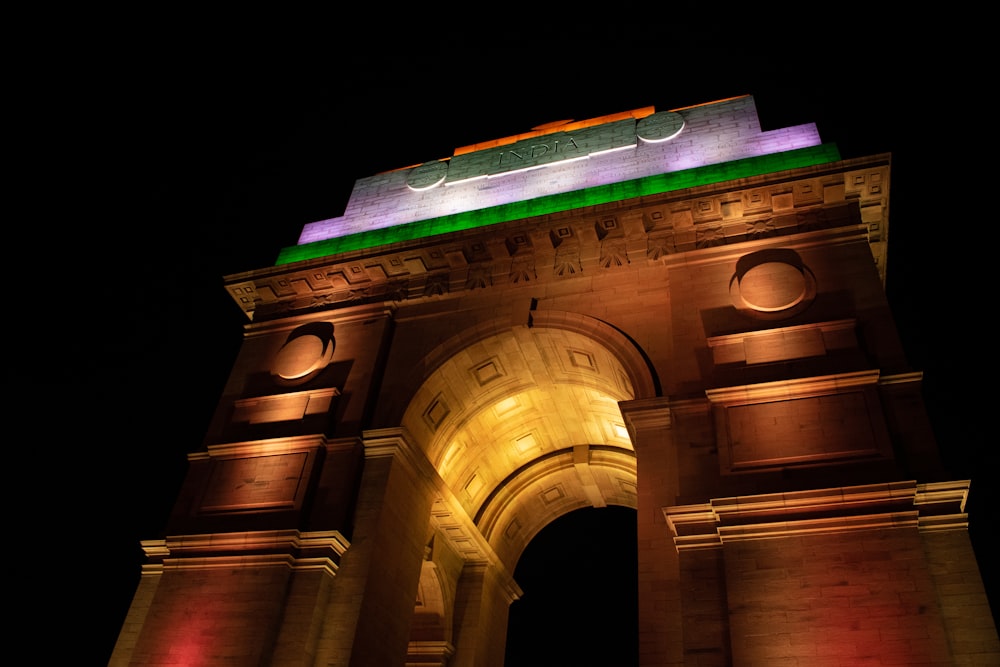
(427, 176)
(773, 286)
(662, 126)
(300, 357)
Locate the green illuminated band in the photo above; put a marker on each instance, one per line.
(603, 194)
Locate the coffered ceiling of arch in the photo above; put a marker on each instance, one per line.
(524, 426)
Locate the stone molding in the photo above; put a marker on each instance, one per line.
(926, 507)
(290, 548)
(592, 240)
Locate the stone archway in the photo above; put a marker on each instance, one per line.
(522, 425)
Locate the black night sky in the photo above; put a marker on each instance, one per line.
(190, 149)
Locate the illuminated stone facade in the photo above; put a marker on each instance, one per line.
(674, 312)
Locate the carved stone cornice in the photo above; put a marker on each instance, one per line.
(289, 548)
(924, 507)
(591, 241)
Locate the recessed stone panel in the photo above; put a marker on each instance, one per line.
(436, 412)
(512, 529)
(553, 494)
(814, 421)
(261, 482)
(581, 359)
(486, 371)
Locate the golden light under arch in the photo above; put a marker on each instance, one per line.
(523, 424)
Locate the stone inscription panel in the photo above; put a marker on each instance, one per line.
(808, 430)
(262, 482)
(542, 150)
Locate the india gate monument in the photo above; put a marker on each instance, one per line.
(673, 311)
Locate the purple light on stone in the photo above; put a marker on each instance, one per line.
(424, 193)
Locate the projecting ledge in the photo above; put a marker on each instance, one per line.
(266, 544)
(937, 506)
(784, 343)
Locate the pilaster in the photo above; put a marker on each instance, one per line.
(371, 607)
(660, 620)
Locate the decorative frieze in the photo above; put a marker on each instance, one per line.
(587, 241)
